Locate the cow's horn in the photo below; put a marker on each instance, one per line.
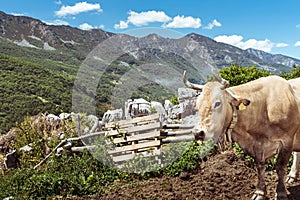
(191, 85)
(221, 80)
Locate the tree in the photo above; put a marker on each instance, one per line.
(237, 74)
(294, 73)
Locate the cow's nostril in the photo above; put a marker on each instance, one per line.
(200, 135)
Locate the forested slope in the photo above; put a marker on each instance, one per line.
(28, 88)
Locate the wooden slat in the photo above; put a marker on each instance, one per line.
(177, 133)
(134, 129)
(111, 125)
(112, 133)
(81, 149)
(129, 122)
(146, 118)
(143, 128)
(131, 156)
(92, 135)
(178, 139)
(133, 147)
(138, 121)
(177, 126)
(137, 137)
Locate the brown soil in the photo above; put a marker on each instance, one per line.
(222, 176)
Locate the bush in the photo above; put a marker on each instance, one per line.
(237, 75)
(294, 73)
(67, 175)
(190, 158)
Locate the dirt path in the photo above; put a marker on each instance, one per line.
(222, 176)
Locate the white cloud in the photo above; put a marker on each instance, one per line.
(121, 25)
(231, 39)
(264, 45)
(57, 22)
(281, 45)
(86, 26)
(297, 44)
(213, 24)
(184, 22)
(78, 8)
(237, 40)
(144, 18)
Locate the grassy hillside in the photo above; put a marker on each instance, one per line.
(27, 88)
(67, 61)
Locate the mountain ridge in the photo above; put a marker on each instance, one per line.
(29, 32)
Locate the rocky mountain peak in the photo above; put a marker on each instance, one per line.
(27, 31)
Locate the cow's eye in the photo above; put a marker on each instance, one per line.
(217, 104)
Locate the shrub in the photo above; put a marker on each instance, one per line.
(67, 175)
(190, 158)
(237, 75)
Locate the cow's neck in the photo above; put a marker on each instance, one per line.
(232, 124)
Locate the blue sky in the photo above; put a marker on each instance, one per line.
(269, 25)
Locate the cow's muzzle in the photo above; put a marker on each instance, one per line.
(199, 135)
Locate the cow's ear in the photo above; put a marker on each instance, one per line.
(238, 102)
(241, 104)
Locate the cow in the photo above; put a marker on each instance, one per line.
(262, 116)
(294, 173)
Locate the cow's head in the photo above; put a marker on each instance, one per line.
(215, 107)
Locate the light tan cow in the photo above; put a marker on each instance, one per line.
(294, 173)
(262, 116)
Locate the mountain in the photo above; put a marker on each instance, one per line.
(28, 32)
(275, 59)
(224, 55)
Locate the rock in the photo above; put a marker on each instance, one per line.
(184, 176)
(158, 107)
(9, 198)
(52, 117)
(59, 151)
(168, 107)
(176, 112)
(11, 160)
(186, 94)
(26, 148)
(62, 136)
(136, 108)
(63, 116)
(112, 115)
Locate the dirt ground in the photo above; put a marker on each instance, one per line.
(222, 176)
